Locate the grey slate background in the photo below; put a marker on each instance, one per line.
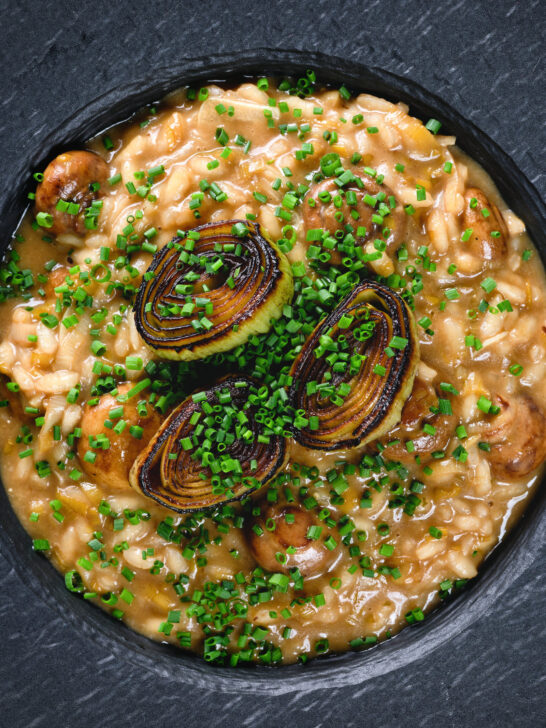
(486, 59)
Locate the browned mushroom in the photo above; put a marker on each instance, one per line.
(111, 465)
(415, 415)
(56, 278)
(15, 406)
(330, 211)
(283, 529)
(517, 436)
(484, 241)
(69, 178)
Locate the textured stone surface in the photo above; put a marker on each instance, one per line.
(486, 60)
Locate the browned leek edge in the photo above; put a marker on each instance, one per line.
(375, 402)
(263, 285)
(175, 483)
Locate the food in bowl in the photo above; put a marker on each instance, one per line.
(273, 366)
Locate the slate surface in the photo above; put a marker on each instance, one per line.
(483, 57)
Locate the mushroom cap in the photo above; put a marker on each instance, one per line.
(415, 414)
(325, 214)
(517, 436)
(68, 177)
(481, 242)
(310, 556)
(111, 466)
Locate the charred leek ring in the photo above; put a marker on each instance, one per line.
(210, 291)
(194, 463)
(356, 370)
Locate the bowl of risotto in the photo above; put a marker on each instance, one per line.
(272, 358)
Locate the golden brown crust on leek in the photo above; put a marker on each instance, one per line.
(246, 293)
(171, 474)
(374, 403)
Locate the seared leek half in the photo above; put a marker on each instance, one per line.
(209, 291)
(210, 450)
(356, 370)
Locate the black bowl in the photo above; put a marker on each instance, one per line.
(502, 566)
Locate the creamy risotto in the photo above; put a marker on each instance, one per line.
(273, 369)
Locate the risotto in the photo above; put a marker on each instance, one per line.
(273, 367)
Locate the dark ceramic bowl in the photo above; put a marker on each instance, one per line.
(502, 566)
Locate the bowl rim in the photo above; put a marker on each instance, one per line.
(504, 563)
